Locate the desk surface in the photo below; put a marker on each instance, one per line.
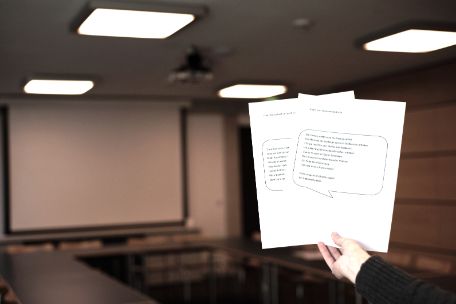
(56, 277)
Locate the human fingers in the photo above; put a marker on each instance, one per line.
(326, 254)
(337, 238)
(341, 241)
(334, 252)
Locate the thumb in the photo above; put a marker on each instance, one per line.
(338, 240)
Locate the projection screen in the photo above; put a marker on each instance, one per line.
(79, 165)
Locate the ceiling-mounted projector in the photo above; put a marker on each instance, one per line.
(194, 69)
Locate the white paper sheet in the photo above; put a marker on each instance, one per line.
(324, 166)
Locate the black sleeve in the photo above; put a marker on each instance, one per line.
(382, 283)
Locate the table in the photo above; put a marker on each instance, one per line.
(56, 277)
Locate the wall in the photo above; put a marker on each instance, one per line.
(214, 176)
(425, 207)
(232, 173)
(2, 184)
(206, 173)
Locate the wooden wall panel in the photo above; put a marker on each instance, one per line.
(425, 209)
(427, 178)
(432, 129)
(425, 225)
(418, 88)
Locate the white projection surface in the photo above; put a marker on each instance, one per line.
(81, 164)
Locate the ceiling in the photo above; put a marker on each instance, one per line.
(244, 40)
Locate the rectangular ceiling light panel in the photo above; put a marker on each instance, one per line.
(58, 87)
(133, 23)
(252, 91)
(413, 41)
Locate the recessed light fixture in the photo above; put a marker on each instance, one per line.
(413, 41)
(252, 91)
(133, 23)
(58, 87)
(302, 23)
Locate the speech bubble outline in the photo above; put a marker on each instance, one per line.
(327, 192)
(264, 161)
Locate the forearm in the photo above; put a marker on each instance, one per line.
(382, 283)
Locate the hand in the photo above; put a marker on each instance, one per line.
(346, 261)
